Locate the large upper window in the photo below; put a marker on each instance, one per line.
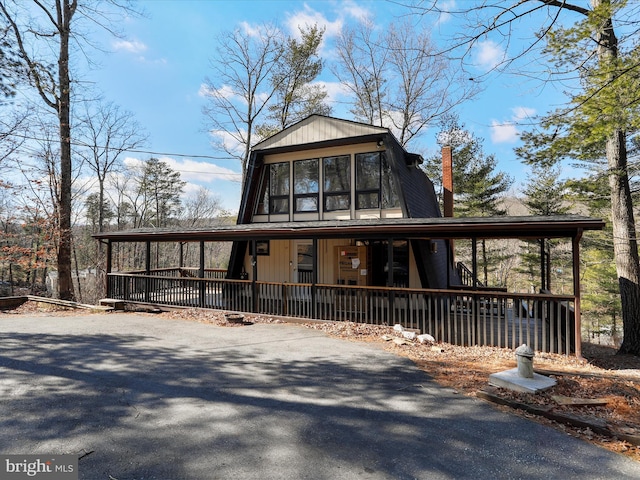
(305, 185)
(274, 191)
(374, 184)
(279, 188)
(337, 183)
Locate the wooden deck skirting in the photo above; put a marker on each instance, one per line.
(461, 317)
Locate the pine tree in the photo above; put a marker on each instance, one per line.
(545, 195)
(478, 186)
(161, 188)
(296, 96)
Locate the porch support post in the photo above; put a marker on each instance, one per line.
(543, 267)
(476, 298)
(450, 264)
(314, 277)
(254, 275)
(576, 292)
(390, 262)
(392, 310)
(147, 269)
(181, 263)
(202, 287)
(147, 258)
(474, 262)
(108, 268)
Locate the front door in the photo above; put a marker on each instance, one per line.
(302, 261)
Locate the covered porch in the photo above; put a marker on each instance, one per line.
(462, 313)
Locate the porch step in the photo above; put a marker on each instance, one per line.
(113, 303)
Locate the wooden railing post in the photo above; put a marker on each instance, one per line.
(202, 286)
(109, 266)
(147, 269)
(576, 294)
(254, 275)
(314, 279)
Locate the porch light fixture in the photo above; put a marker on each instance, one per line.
(380, 143)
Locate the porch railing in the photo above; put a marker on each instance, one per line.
(184, 272)
(462, 317)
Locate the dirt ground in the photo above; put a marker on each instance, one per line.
(613, 381)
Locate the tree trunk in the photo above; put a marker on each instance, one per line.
(625, 244)
(65, 284)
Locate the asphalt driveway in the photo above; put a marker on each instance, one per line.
(143, 397)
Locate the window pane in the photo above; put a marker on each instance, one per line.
(337, 202)
(390, 197)
(263, 195)
(279, 179)
(368, 200)
(305, 174)
(307, 204)
(368, 171)
(337, 174)
(280, 205)
(337, 183)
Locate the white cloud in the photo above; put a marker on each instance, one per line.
(250, 30)
(229, 143)
(335, 90)
(129, 46)
(504, 132)
(523, 113)
(223, 92)
(445, 6)
(131, 162)
(307, 17)
(507, 132)
(194, 171)
(356, 11)
(488, 55)
(344, 12)
(199, 171)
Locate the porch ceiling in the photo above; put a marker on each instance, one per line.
(564, 226)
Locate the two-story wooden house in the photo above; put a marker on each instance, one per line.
(338, 222)
(329, 173)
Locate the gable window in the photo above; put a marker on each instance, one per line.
(337, 183)
(374, 184)
(305, 185)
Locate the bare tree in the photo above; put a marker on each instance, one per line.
(201, 208)
(362, 69)
(398, 78)
(427, 86)
(240, 88)
(37, 30)
(107, 132)
(12, 136)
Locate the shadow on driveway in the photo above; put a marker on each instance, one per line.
(155, 398)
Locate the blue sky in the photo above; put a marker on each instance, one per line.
(158, 69)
